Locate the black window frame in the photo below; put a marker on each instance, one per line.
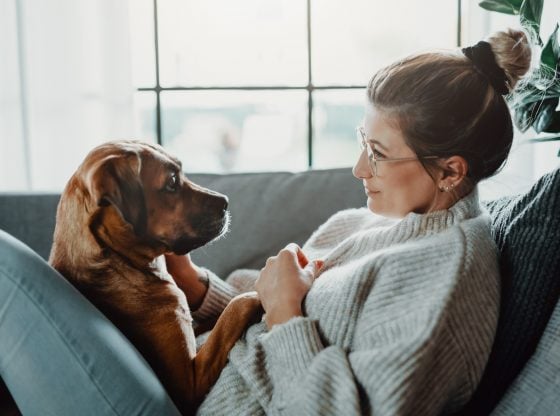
(310, 88)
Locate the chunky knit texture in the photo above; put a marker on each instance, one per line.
(536, 392)
(525, 228)
(400, 321)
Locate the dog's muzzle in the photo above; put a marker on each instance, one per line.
(206, 231)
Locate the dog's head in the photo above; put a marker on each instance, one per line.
(139, 200)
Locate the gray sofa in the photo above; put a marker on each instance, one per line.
(270, 209)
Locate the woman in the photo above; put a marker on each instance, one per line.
(389, 309)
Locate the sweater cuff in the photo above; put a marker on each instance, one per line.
(216, 299)
(290, 347)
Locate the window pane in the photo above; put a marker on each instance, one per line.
(478, 23)
(142, 46)
(217, 131)
(224, 42)
(145, 116)
(336, 114)
(350, 40)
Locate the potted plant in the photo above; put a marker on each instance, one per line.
(536, 104)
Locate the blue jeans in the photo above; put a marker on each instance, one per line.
(58, 354)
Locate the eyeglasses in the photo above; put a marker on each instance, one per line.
(374, 156)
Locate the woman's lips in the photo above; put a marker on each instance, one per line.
(369, 192)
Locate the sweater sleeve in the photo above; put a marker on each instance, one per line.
(220, 292)
(411, 367)
(216, 299)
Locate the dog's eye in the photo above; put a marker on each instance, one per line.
(172, 183)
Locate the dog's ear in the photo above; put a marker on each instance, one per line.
(115, 180)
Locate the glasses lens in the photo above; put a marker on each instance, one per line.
(360, 138)
(371, 158)
(364, 145)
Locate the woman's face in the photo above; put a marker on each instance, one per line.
(400, 187)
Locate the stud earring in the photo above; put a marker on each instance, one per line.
(447, 188)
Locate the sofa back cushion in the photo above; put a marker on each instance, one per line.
(30, 217)
(527, 231)
(261, 204)
(269, 210)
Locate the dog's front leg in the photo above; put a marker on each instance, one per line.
(242, 311)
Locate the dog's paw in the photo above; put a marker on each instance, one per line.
(248, 306)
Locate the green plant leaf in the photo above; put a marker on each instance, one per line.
(524, 116)
(531, 114)
(502, 6)
(550, 55)
(541, 87)
(532, 95)
(542, 139)
(530, 17)
(544, 114)
(554, 124)
(545, 81)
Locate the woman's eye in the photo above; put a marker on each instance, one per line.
(378, 155)
(172, 183)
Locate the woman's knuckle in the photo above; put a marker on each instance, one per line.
(292, 247)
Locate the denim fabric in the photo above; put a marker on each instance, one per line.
(58, 354)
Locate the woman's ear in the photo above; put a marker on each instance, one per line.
(454, 170)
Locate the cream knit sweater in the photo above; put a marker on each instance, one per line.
(400, 321)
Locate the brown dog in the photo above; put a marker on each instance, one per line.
(126, 205)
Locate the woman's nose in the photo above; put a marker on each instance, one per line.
(361, 169)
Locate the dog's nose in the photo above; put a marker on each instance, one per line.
(212, 200)
(224, 201)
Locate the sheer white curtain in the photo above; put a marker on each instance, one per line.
(65, 86)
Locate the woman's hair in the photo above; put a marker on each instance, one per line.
(445, 105)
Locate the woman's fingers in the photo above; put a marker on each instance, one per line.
(300, 255)
(314, 267)
(302, 258)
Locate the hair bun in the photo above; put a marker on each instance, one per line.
(512, 52)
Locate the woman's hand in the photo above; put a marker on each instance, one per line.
(187, 276)
(284, 282)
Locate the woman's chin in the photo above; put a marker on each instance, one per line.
(373, 205)
(377, 208)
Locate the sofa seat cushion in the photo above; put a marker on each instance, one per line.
(527, 230)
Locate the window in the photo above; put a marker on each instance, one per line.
(273, 85)
(227, 86)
